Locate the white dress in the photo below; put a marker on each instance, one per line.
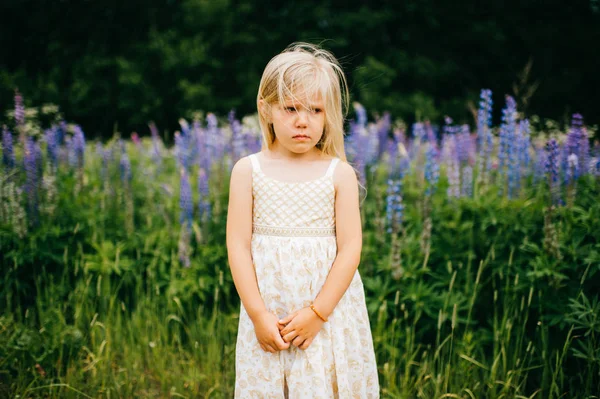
(293, 249)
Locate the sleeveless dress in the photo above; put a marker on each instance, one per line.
(293, 249)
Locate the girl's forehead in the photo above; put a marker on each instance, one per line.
(304, 99)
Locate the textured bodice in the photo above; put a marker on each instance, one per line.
(293, 208)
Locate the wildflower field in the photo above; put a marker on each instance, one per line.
(481, 257)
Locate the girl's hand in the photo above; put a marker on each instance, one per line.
(267, 333)
(300, 328)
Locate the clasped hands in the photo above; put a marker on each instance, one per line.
(298, 329)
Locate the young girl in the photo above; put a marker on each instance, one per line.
(294, 242)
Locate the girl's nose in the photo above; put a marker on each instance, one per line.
(302, 117)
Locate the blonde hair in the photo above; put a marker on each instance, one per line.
(300, 72)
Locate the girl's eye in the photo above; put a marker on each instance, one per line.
(290, 109)
(316, 110)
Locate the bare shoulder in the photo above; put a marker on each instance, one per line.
(344, 176)
(241, 176)
(242, 168)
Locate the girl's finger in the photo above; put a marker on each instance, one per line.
(297, 341)
(287, 318)
(286, 330)
(290, 336)
(270, 348)
(305, 344)
(279, 343)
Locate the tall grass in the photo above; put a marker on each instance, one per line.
(480, 296)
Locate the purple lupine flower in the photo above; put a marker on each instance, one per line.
(464, 144)
(202, 150)
(487, 153)
(399, 134)
(238, 148)
(578, 144)
(156, 156)
(484, 135)
(39, 159)
(62, 132)
(19, 109)
(448, 147)
(125, 168)
(372, 145)
(8, 154)
(467, 182)
(356, 154)
(519, 157)
(564, 163)
(525, 144)
(507, 152)
(78, 146)
(448, 128)
(186, 215)
(204, 191)
(361, 115)
(418, 131)
(70, 151)
(180, 149)
(453, 171)
(552, 170)
(514, 166)
(392, 153)
(186, 202)
(383, 131)
(106, 158)
(32, 173)
(215, 140)
(572, 147)
(507, 129)
(184, 147)
(185, 127)
(430, 132)
(432, 170)
(194, 143)
(52, 146)
(211, 121)
(253, 142)
(484, 118)
(394, 206)
(572, 168)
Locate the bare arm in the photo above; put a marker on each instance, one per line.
(239, 236)
(349, 240)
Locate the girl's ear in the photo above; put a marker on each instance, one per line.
(265, 110)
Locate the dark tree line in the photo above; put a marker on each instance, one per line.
(123, 63)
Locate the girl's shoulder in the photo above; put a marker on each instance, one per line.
(343, 171)
(242, 168)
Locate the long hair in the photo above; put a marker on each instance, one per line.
(301, 72)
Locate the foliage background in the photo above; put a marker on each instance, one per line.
(125, 63)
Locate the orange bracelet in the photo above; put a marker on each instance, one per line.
(317, 312)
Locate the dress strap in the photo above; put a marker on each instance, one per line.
(332, 165)
(255, 163)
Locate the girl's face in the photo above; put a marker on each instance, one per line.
(298, 125)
